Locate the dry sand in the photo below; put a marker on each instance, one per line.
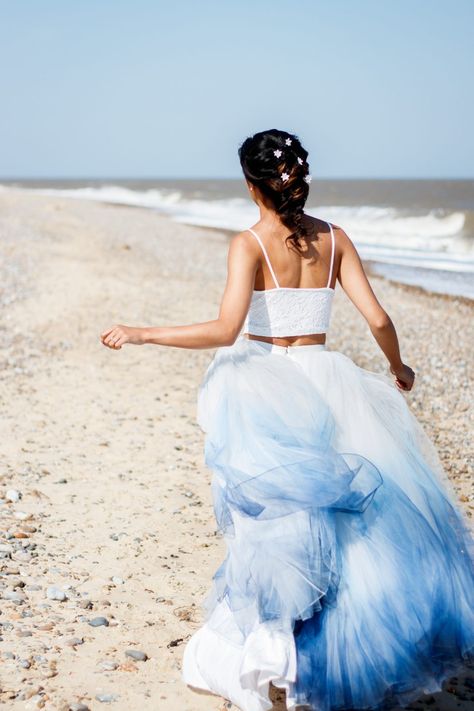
(103, 449)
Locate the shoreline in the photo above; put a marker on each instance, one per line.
(373, 266)
(105, 500)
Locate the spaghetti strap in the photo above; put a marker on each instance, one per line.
(333, 250)
(266, 257)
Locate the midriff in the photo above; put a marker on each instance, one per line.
(314, 338)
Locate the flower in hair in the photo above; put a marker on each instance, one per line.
(288, 141)
(300, 161)
(277, 153)
(284, 177)
(308, 178)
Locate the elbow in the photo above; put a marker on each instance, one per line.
(380, 321)
(229, 334)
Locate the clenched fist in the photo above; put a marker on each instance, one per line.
(116, 336)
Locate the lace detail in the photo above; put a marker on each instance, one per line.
(289, 312)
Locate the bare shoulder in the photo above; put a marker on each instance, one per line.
(343, 241)
(243, 244)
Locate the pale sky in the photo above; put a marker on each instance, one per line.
(144, 88)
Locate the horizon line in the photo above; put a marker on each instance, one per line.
(10, 179)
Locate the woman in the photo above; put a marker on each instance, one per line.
(349, 573)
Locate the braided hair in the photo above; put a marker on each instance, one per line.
(276, 163)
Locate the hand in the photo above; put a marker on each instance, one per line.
(116, 336)
(404, 377)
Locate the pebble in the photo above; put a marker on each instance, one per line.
(78, 707)
(24, 633)
(106, 698)
(85, 604)
(13, 495)
(46, 626)
(54, 593)
(99, 622)
(117, 581)
(14, 596)
(34, 691)
(137, 655)
(108, 665)
(74, 641)
(23, 516)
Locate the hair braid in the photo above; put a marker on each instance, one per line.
(276, 162)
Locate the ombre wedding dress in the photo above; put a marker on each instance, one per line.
(349, 574)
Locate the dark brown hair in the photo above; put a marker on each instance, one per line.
(263, 169)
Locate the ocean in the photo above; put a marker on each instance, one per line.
(418, 232)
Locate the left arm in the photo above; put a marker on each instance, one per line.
(222, 331)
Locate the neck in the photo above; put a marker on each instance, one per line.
(268, 216)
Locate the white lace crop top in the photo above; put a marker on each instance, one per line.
(290, 311)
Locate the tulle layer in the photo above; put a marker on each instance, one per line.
(349, 577)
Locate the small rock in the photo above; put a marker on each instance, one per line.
(106, 698)
(85, 604)
(54, 593)
(78, 707)
(46, 626)
(31, 692)
(14, 596)
(23, 516)
(137, 655)
(108, 665)
(25, 663)
(74, 641)
(13, 495)
(117, 581)
(24, 633)
(99, 622)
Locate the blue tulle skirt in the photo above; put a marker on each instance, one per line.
(349, 574)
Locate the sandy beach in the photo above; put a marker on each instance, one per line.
(107, 534)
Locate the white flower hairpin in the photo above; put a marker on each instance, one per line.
(284, 177)
(288, 141)
(300, 161)
(277, 153)
(307, 178)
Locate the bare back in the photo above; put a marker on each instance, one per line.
(312, 265)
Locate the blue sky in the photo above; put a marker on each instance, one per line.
(144, 88)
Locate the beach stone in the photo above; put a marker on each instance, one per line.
(78, 707)
(108, 665)
(25, 663)
(24, 633)
(85, 604)
(46, 626)
(106, 698)
(13, 495)
(99, 622)
(117, 581)
(54, 593)
(74, 641)
(137, 655)
(14, 596)
(23, 516)
(31, 692)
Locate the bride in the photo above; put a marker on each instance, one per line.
(349, 574)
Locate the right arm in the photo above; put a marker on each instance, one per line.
(353, 280)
